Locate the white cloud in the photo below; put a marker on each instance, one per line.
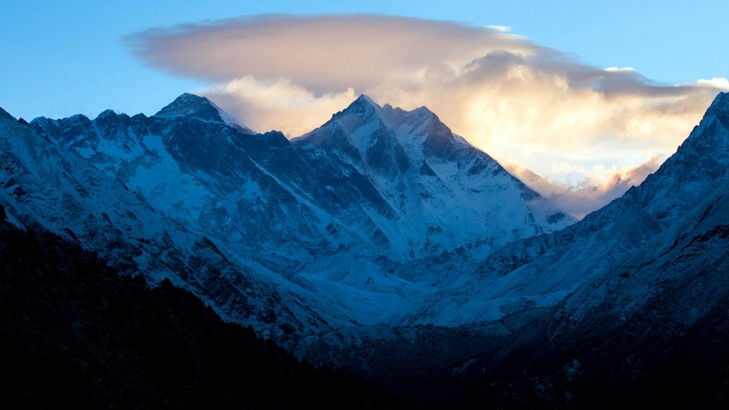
(520, 102)
(503, 29)
(619, 69)
(716, 82)
(281, 105)
(593, 188)
(326, 53)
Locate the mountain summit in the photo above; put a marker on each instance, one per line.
(548, 268)
(194, 106)
(382, 234)
(367, 211)
(427, 190)
(644, 317)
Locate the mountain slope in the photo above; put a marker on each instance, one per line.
(542, 270)
(409, 189)
(335, 239)
(646, 320)
(367, 212)
(77, 335)
(196, 168)
(46, 186)
(422, 189)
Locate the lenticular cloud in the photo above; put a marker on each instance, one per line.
(526, 105)
(322, 53)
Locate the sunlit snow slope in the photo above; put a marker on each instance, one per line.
(648, 221)
(368, 212)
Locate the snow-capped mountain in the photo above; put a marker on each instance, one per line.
(192, 106)
(192, 165)
(382, 229)
(372, 210)
(47, 187)
(629, 305)
(687, 202)
(369, 210)
(401, 182)
(417, 187)
(647, 313)
(541, 271)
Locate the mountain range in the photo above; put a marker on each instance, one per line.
(383, 231)
(356, 218)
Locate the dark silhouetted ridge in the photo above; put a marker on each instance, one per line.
(76, 335)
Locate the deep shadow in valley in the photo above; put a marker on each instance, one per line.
(77, 335)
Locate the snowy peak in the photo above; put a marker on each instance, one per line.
(391, 191)
(720, 104)
(361, 111)
(363, 104)
(190, 105)
(420, 115)
(367, 124)
(365, 109)
(107, 115)
(714, 129)
(5, 115)
(692, 171)
(194, 106)
(426, 190)
(714, 125)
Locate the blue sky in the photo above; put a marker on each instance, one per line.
(62, 58)
(559, 101)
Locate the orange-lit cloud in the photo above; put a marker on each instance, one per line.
(279, 105)
(526, 105)
(597, 187)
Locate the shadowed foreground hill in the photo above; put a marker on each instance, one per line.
(75, 334)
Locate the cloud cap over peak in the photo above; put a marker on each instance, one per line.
(522, 103)
(323, 53)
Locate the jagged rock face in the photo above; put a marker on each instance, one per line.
(374, 218)
(371, 209)
(200, 108)
(627, 306)
(651, 324)
(541, 271)
(194, 167)
(59, 191)
(422, 189)
(397, 191)
(686, 201)
(389, 182)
